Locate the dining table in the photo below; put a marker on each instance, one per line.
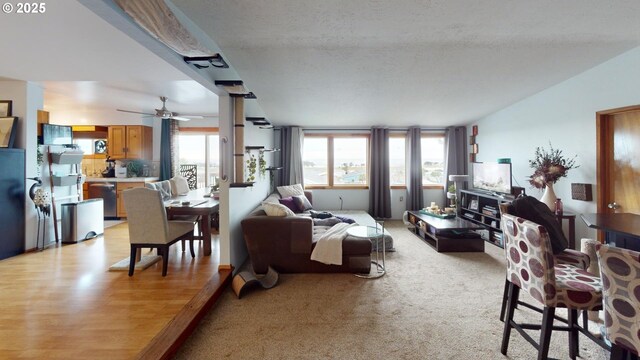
(195, 202)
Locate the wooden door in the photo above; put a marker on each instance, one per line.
(619, 161)
(117, 141)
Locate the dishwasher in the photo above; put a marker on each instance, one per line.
(106, 191)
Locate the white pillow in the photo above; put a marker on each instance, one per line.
(273, 209)
(179, 186)
(290, 190)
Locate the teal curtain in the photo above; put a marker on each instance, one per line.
(165, 150)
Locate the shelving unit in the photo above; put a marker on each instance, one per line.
(73, 158)
(483, 209)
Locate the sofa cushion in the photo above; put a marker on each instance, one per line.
(290, 190)
(273, 209)
(288, 202)
(301, 203)
(273, 198)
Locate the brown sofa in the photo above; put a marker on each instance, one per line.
(286, 243)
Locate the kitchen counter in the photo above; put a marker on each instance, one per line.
(119, 180)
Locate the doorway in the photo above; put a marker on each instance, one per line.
(618, 160)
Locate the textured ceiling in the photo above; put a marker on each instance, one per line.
(433, 63)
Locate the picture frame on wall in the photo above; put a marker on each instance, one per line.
(5, 108)
(8, 128)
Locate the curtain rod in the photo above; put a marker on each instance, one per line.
(361, 129)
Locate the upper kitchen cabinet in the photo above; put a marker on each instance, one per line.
(130, 142)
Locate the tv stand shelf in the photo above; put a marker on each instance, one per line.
(483, 208)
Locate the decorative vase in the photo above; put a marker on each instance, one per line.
(549, 197)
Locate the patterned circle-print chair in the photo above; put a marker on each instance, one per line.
(567, 257)
(531, 267)
(620, 270)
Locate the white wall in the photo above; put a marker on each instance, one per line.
(565, 115)
(237, 203)
(328, 199)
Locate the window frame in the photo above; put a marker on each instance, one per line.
(422, 135)
(433, 135)
(330, 160)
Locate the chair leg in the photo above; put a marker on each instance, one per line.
(545, 332)
(505, 296)
(165, 259)
(132, 260)
(182, 244)
(617, 353)
(585, 319)
(573, 333)
(512, 299)
(193, 253)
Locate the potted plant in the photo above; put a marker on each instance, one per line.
(549, 166)
(251, 167)
(451, 194)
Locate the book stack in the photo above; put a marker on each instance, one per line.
(490, 210)
(497, 238)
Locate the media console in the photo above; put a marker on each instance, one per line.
(482, 208)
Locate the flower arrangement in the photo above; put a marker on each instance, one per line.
(549, 166)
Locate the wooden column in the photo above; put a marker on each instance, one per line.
(238, 153)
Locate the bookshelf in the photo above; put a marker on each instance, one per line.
(483, 209)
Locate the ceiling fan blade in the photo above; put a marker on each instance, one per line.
(179, 118)
(199, 116)
(135, 112)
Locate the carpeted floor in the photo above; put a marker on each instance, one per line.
(429, 306)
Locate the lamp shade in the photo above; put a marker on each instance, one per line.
(457, 178)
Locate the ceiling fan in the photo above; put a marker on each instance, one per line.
(163, 113)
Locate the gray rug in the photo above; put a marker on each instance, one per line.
(429, 306)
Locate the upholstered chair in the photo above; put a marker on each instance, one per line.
(149, 227)
(171, 189)
(620, 271)
(567, 257)
(531, 267)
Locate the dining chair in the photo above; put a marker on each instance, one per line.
(531, 268)
(149, 227)
(567, 256)
(620, 271)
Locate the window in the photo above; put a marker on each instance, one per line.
(432, 147)
(200, 148)
(350, 161)
(397, 160)
(315, 161)
(335, 160)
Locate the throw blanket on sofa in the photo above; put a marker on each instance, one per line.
(328, 248)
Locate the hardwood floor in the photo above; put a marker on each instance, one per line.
(63, 303)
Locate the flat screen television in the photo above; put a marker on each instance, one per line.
(492, 177)
(56, 135)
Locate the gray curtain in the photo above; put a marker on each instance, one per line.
(379, 191)
(169, 164)
(291, 139)
(455, 153)
(415, 199)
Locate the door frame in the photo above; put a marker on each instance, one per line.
(604, 146)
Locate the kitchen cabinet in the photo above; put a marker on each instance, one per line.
(120, 187)
(130, 142)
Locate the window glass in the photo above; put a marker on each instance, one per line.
(192, 152)
(86, 145)
(350, 161)
(213, 162)
(432, 160)
(397, 160)
(314, 161)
